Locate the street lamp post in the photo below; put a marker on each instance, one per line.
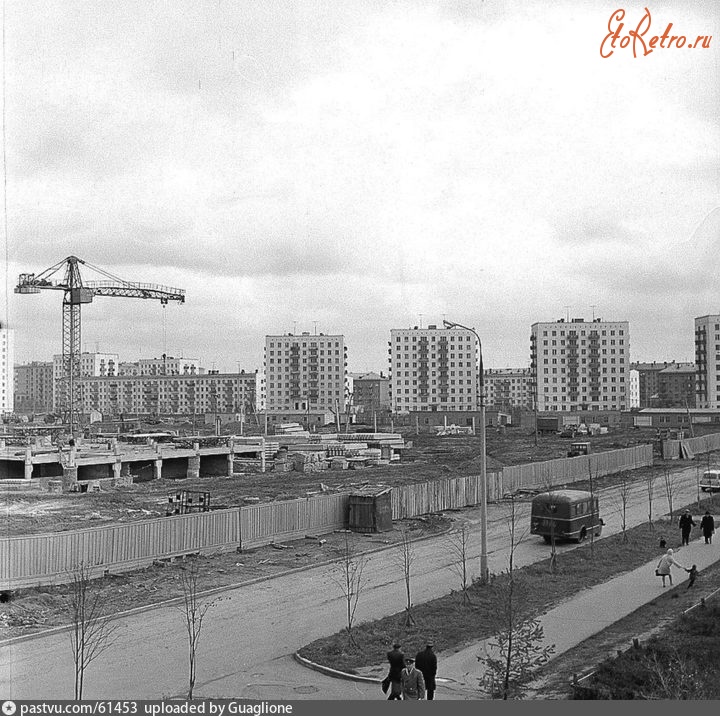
(483, 459)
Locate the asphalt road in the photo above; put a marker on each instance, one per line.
(251, 632)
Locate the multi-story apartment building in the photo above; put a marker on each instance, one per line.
(633, 389)
(305, 373)
(707, 361)
(7, 369)
(181, 394)
(666, 385)
(433, 369)
(508, 388)
(370, 392)
(34, 387)
(580, 365)
(167, 365)
(91, 364)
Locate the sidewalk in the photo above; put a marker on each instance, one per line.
(570, 623)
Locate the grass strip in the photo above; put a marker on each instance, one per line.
(450, 623)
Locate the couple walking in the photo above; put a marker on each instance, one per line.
(408, 678)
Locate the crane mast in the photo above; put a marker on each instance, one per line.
(77, 291)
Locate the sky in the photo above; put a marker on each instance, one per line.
(349, 167)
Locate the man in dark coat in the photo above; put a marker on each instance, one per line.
(686, 523)
(396, 660)
(707, 525)
(426, 663)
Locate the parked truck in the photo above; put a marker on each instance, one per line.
(549, 424)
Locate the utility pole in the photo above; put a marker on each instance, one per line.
(483, 456)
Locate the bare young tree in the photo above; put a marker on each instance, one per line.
(92, 630)
(670, 491)
(406, 558)
(552, 539)
(650, 487)
(459, 542)
(591, 489)
(194, 609)
(518, 646)
(623, 500)
(351, 581)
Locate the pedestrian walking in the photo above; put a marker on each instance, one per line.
(686, 523)
(707, 525)
(426, 663)
(396, 659)
(413, 684)
(693, 572)
(664, 565)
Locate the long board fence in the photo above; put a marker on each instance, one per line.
(49, 558)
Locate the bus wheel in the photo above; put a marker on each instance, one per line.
(547, 539)
(583, 535)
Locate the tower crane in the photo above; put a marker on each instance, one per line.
(77, 292)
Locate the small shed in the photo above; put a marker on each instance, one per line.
(370, 510)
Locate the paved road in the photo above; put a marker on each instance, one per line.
(250, 634)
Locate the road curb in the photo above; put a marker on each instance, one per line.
(206, 593)
(334, 672)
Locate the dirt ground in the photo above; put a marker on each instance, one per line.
(31, 610)
(27, 611)
(425, 458)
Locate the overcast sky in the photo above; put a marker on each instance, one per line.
(355, 166)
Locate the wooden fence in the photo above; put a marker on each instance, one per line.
(49, 558)
(292, 519)
(571, 469)
(671, 449)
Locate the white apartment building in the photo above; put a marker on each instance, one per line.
(508, 388)
(168, 365)
(634, 389)
(707, 361)
(433, 369)
(305, 372)
(580, 365)
(7, 369)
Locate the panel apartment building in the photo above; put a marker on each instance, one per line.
(305, 373)
(665, 385)
(433, 369)
(580, 365)
(707, 361)
(179, 394)
(34, 387)
(508, 388)
(7, 369)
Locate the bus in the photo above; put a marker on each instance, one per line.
(565, 515)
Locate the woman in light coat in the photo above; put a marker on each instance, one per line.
(663, 567)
